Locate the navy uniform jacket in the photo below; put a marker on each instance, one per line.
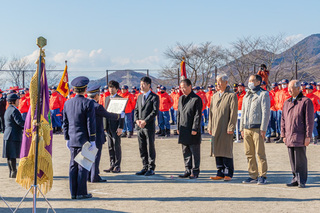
(101, 113)
(111, 125)
(14, 124)
(79, 121)
(148, 111)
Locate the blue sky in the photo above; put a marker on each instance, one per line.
(99, 35)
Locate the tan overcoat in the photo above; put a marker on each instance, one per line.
(223, 116)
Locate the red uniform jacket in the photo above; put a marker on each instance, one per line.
(165, 102)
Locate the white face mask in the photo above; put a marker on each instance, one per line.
(251, 85)
(284, 86)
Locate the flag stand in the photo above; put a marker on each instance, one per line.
(41, 42)
(6, 203)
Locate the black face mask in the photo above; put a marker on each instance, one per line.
(235, 89)
(162, 92)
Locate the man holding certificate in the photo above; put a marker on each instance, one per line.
(146, 110)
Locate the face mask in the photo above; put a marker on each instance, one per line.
(162, 91)
(251, 85)
(284, 86)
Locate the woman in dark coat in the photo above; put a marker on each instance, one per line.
(13, 134)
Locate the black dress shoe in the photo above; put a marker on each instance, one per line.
(149, 172)
(109, 170)
(84, 196)
(185, 175)
(302, 185)
(116, 170)
(142, 172)
(193, 176)
(100, 181)
(73, 197)
(292, 184)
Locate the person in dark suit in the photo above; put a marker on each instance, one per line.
(79, 126)
(146, 110)
(100, 112)
(114, 130)
(13, 134)
(189, 129)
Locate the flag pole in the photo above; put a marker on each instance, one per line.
(41, 42)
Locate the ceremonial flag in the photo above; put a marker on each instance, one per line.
(183, 73)
(183, 69)
(25, 175)
(63, 87)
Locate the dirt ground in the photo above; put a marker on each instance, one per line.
(164, 192)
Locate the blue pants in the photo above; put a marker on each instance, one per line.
(56, 120)
(315, 126)
(318, 114)
(24, 115)
(127, 123)
(206, 115)
(279, 113)
(164, 119)
(78, 175)
(173, 115)
(235, 129)
(272, 123)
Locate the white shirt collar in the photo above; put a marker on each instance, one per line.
(147, 94)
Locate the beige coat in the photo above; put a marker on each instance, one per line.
(223, 115)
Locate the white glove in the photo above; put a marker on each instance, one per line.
(68, 144)
(93, 145)
(122, 114)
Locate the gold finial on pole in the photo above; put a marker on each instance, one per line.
(41, 42)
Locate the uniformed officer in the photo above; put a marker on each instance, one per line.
(100, 113)
(79, 126)
(13, 134)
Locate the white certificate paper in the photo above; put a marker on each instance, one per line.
(86, 157)
(117, 105)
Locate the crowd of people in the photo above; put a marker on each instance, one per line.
(288, 111)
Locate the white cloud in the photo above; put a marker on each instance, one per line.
(293, 39)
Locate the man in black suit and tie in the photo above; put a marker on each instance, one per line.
(93, 93)
(146, 110)
(114, 130)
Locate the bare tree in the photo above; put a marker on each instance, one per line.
(17, 70)
(199, 59)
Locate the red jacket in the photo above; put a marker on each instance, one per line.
(56, 101)
(102, 99)
(209, 95)
(24, 104)
(203, 97)
(315, 100)
(165, 102)
(273, 94)
(130, 105)
(281, 97)
(240, 99)
(264, 75)
(175, 97)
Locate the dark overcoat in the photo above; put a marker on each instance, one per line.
(189, 119)
(13, 132)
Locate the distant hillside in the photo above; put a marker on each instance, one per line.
(125, 77)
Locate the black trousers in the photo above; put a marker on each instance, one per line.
(2, 123)
(224, 166)
(147, 149)
(299, 164)
(191, 155)
(94, 172)
(78, 175)
(114, 145)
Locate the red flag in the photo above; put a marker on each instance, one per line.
(183, 72)
(63, 87)
(183, 69)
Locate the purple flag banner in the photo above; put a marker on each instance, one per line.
(25, 175)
